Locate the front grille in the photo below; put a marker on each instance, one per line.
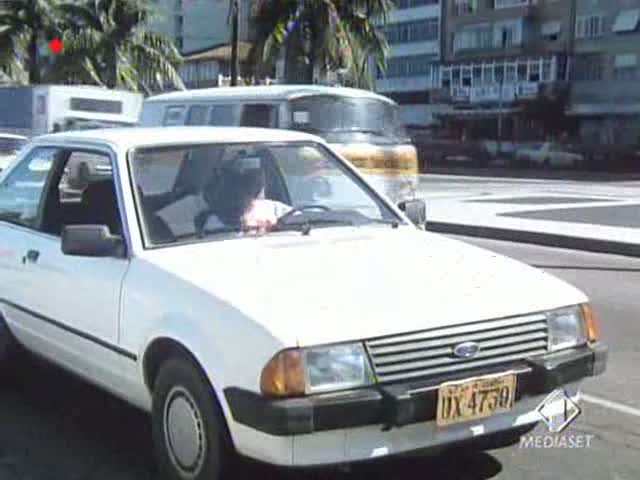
(421, 354)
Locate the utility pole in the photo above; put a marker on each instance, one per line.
(503, 45)
(235, 19)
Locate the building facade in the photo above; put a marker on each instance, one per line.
(414, 36)
(505, 65)
(201, 30)
(605, 96)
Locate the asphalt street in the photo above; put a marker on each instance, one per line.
(55, 426)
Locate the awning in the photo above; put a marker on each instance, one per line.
(221, 53)
(476, 113)
(626, 21)
(552, 27)
(624, 60)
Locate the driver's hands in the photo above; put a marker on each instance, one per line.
(260, 218)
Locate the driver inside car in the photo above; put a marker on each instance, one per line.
(237, 199)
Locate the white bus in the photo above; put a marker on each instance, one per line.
(361, 125)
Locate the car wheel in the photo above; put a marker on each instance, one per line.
(189, 432)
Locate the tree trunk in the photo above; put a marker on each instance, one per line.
(112, 69)
(34, 71)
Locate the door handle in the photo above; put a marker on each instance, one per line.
(31, 256)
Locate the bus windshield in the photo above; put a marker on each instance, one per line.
(327, 114)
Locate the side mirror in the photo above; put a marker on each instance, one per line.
(415, 209)
(91, 241)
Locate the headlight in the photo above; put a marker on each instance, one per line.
(566, 328)
(316, 370)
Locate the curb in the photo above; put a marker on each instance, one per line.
(538, 238)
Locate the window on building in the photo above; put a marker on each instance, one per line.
(415, 31)
(463, 7)
(625, 66)
(551, 30)
(474, 37)
(402, 4)
(588, 68)
(508, 33)
(590, 26)
(410, 66)
(626, 21)
(511, 3)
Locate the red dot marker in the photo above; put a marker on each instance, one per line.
(56, 46)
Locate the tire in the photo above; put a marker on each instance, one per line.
(189, 431)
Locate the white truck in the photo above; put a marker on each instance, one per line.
(36, 110)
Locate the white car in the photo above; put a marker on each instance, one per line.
(548, 155)
(342, 333)
(10, 145)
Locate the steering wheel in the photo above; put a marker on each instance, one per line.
(302, 209)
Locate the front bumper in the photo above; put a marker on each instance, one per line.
(398, 405)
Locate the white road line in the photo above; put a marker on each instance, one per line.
(611, 405)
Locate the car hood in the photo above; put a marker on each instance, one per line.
(347, 284)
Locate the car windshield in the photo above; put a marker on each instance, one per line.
(190, 193)
(332, 114)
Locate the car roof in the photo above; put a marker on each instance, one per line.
(133, 137)
(12, 136)
(271, 92)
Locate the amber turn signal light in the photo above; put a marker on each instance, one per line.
(284, 375)
(591, 323)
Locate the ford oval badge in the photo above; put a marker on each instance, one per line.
(466, 350)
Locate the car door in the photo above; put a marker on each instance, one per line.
(76, 299)
(21, 197)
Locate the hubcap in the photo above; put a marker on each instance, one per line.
(184, 432)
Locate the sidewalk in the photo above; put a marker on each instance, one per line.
(592, 216)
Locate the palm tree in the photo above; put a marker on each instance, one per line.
(329, 34)
(106, 43)
(24, 27)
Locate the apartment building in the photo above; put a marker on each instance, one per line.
(414, 36)
(499, 56)
(201, 30)
(605, 75)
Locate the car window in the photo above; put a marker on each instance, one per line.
(197, 115)
(85, 194)
(174, 115)
(223, 115)
(218, 180)
(259, 115)
(21, 192)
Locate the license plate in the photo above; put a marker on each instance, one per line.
(475, 398)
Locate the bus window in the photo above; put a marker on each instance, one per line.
(174, 115)
(259, 115)
(197, 115)
(223, 116)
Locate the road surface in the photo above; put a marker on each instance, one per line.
(55, 427)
